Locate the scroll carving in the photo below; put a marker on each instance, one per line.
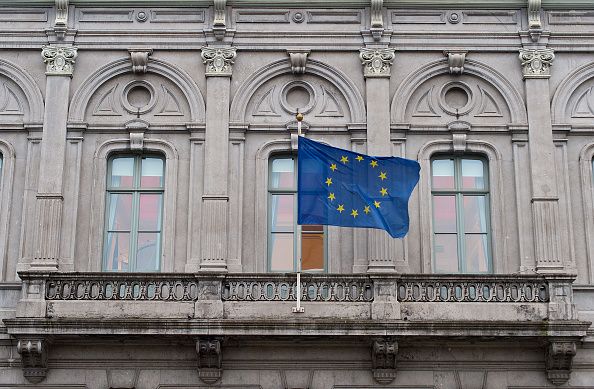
(139, 58)
(383, 360)
(456, 61)
(377, 62)
(537, 63)
(559, 358)
(34, 358)
(534, 22)
(59, 60)
(377, 19)
(219, 24)
(218, 61)
(210, 358)
(61, 22)
(298, 60)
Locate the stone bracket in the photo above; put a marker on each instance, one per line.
(377, 19)
(456, 60)
(219, 23)
(298, 58)
(383, 360)
(139, 57)
(210, 357)
(33, 353)
(534, 21)
(61, 22)
(558, 360)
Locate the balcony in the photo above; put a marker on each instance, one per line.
(380, 307)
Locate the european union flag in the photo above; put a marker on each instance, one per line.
(341, 188)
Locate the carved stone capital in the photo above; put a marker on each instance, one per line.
(559, 357)
(61, 22)
(59, 60)
(218, 61)
(210, 358)
(219, 23)
(139, 58)
(34, 358)
(377, 62)
(383, 360)
(456, 61)
(537, 63)
(377, 19)
(298, 60)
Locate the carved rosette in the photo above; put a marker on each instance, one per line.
(537, 63)
(377, 62)
(209, 360)
(218, 61)
(383, 360)
(34, 358)
(59, 60)
(559, 358)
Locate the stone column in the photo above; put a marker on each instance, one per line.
(215, 201)
(48, 208)
(377, 64)
(545, 200)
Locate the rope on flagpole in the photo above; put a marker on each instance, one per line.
(298, 308)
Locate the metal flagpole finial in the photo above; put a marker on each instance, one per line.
(299, 116)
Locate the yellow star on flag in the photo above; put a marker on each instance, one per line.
(383, 175)
(377, 204)
(359, 158)
(331, 197)
(344, 159)
(367, 209)
(354, 213)
(333, 167)
(340, 208)
(373, 163)
(328, 181)
(384, 191)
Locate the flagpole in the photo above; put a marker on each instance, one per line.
(298, 308)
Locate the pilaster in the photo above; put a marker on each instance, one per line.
(215, 202)
(536, 64)
(59, 62)
(377, 65)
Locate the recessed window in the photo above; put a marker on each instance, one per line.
(282, 221)
(461, 223)
(134, 212)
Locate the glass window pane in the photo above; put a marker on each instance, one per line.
(148, 251)
(312, 251)
(281, 253)
(477, 253)
(282, 207)
(473, 174)
(119, 212)
(446, 253)
(475, 214)
(444, 214)
(282, 174)
(442, 171)
(122, 172)
(149, 215)
(117, 250)
(151, 173)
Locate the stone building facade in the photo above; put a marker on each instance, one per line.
(147, 229)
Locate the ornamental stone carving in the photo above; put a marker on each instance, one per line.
(219, 24)
(537, 63)
(456, 61)
(377, 62)
(61, 22)
(559, 357)
(377, 19)
(383, 360)
(34, 358)
(59, 60)
(139, 58)
(209, 359)
(218, 61)
(298, 59)
(534, 22)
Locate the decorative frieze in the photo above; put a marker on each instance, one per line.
(33, 358)
(59, 60)
(298, 58)
(377, 62)
(559, 358)
(456, 61)
(219, 23)
(377, 19)
(139, 58)
(219, 60)
(210, 359)
(537, 63)
(383, 360)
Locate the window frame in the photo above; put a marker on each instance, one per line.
(459, 194)
(136, 190)
(293, 191)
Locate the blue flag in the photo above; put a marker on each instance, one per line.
(341, 188)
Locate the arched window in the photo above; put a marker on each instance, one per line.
(134, 212)
(461, 220)
(282, 222)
